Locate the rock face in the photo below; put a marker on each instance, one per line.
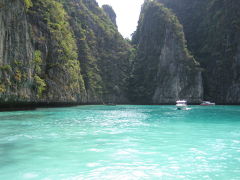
(60, 52)
(213, 34)
(16, 52)
(111, 14)
(104, 54)
(70, 52)
(39, 61)
(164, 71)
(233, 92)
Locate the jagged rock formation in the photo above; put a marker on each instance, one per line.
(213, 36)
(60, 52)
(163, 70)
(111, 14)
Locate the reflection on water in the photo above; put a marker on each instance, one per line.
(22, 116)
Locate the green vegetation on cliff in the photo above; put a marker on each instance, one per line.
(212, 32)
(13, 77)
(61, 63)
(103, 52)
(70, 51)
(28, 3)
(64, 51)
(157, 28)
(39, 83)
(110, 13)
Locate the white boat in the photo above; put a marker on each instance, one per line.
(207, 103)
(181, 105)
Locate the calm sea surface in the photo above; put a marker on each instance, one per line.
(121, 143)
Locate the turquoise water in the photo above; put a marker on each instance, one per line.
(121, 142)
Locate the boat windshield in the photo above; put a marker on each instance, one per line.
(206, 102)
(181, 102)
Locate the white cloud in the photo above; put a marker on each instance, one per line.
(127, 14)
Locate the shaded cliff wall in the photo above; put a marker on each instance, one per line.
(213, 34)
(55, 57)
(16, 53)
(163, 70)
(103, 52)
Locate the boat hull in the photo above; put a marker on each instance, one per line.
(212, 104)
(181, 104)
(181, 107)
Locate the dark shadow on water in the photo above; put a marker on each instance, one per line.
(21, 117)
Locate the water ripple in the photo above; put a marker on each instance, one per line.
(121, 142)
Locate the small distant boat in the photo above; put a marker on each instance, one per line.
(207, 103)
(111, 104)
(181, 105)
(108, 104)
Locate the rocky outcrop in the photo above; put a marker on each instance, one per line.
(104, 54)
(39, 59)
(212, 32)
(178, 76)
(70, 52)
(16, 52)
(164, 71)
(60, 52)
(233, 92)
(111, 14)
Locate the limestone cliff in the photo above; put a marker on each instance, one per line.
(60, 52)
(16, 53)
(103, 52)
(163, 70)
(213, 36)
(110, 12)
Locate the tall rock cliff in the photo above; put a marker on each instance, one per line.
(110, 12)
(60, 52)
(103, 52)
(163, 70)
(70, 51)
(213, 36)
(16, 53)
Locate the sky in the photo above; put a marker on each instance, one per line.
(127, 12)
